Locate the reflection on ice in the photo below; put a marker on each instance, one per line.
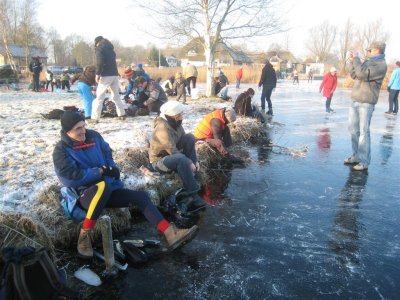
(347, 227)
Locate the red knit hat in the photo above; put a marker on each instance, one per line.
(128, 72)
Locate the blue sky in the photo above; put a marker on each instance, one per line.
(119, 20)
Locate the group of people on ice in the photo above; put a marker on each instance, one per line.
(84, 163)
(83, 159)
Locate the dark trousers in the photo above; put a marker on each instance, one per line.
(328, 103)
(394, 101)
(65, 84)
(193, 80)
(266, 95)
(99, 196)
(51, 83)
(36, 85)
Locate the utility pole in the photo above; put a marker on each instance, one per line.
(159, 58)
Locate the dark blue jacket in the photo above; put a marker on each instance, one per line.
(77, 165)
(106, 64)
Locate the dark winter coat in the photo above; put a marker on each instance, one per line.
(243, 105)
(268, 76)
(35, 67)
(105, 59)
(78, 165)
(88, 76)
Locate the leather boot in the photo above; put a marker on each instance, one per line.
(177, 237)
(85, 249)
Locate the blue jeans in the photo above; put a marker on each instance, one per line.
(328, 103)
(180, 163)
(266, 95)
(360, 115)
(87, 98)
(237, 83)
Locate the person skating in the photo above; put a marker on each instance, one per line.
(328, 86)
(268, 83)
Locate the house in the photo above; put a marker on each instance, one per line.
(19, 55)
(281, 60)
(224, 55)
(172, 61)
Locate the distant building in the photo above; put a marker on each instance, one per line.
(224, 55)
(282, 60)
(172, 61)
(317, 69)
(19, 55)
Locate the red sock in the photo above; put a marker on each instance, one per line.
(163, 225)
(88, 224)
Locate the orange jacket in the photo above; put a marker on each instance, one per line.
(203, 130)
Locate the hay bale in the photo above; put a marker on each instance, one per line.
(131, 159)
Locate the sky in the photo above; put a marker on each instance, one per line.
(120, 21)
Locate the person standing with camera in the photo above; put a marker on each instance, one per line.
(368, 76)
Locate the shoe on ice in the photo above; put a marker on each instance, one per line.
(351, 161)
(177, 237)
(360, 167)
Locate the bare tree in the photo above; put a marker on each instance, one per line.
(345, 41)
(5, 25)
(373, 31)
(213, 21)
(30, 32)
(321, 40)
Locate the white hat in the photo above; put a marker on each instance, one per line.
(333, 69)
(172, 108)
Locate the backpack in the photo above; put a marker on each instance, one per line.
(68, 201)
(30, 274)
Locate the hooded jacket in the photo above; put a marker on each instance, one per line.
(328, 84)
(164, 140)
(105, 59)
(77, 165)
(268, 76)
(243, 105)
(368, 78)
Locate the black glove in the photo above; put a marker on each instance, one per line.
(110, 171)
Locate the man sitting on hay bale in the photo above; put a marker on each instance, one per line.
(171, 149)
(214, 131)
(83, 161)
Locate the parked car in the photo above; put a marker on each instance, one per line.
(57, 70)
(8, 74)
(73, 69)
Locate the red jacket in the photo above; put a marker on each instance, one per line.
(329, 84)
(239, 73)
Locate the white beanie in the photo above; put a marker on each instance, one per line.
(333, 69)
(172, 108)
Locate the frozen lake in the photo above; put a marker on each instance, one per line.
(289, 227)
